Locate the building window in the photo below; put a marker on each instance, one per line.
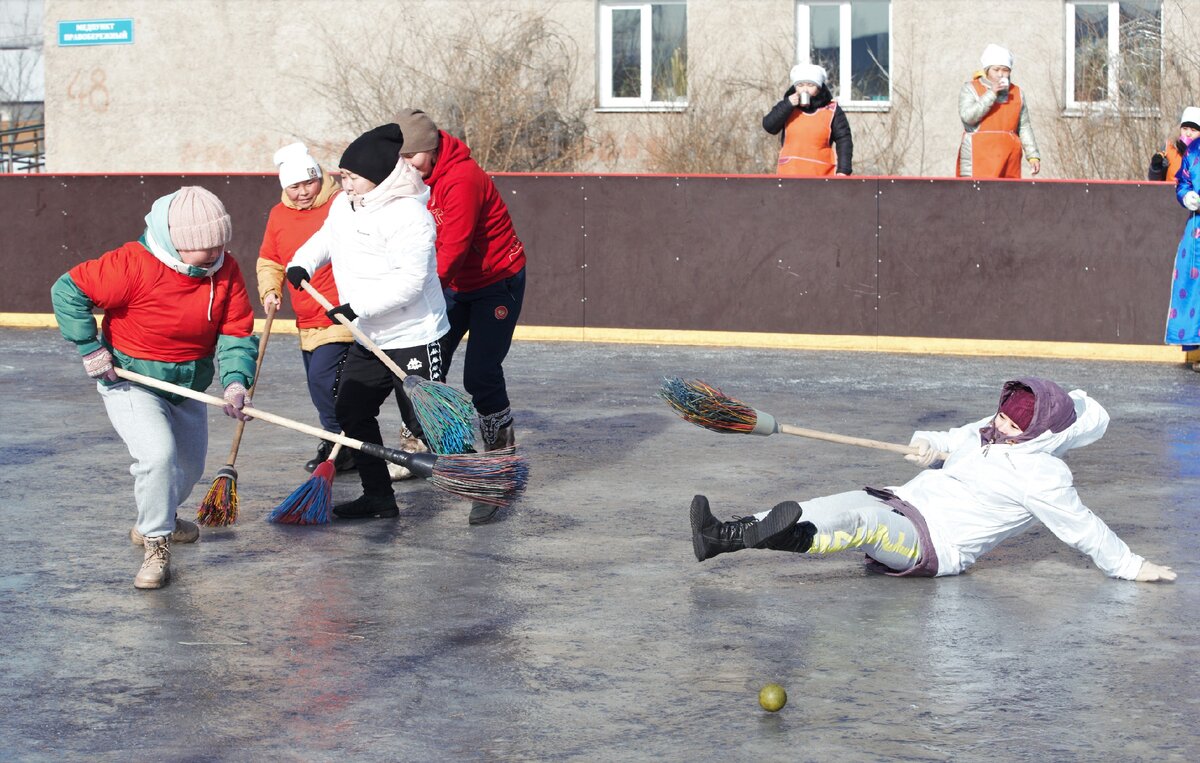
(643, 54)
(851, 39)
(1114, 54)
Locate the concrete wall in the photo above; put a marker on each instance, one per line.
(1003, 260)
(218, 85)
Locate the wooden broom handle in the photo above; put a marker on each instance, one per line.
(253, 412)
(358, 333)
(262, 351)
(862, 442)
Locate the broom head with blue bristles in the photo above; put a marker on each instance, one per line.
(710, 408)
(447, 415)
(312, 502)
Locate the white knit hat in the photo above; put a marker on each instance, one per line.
(295, 165)
(1191, 114)
(808, 73)
(994, 55)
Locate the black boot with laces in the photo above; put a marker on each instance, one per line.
(710, 536)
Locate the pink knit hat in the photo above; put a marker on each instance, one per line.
(197, 220)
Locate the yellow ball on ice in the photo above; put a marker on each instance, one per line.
(772, 698)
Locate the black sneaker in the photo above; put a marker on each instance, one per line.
(323, 451)
(368, 507)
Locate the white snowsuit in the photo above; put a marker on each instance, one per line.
(986, 493)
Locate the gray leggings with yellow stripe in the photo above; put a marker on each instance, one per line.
(856, 520)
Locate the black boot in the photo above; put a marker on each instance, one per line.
(775, 530)
(710, 536)
(323, 451)
(344, 461)
(482, 513)
(368, 506)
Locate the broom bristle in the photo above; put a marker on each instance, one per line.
(497, 477)
(311, 503)
(446, 414)
(220, 505)
(707, 406)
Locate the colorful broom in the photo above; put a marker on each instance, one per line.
(446, 414)
(312, 502)
(497, 477)
(220, 505)
(710, 408)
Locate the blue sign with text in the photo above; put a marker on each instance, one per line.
(95, 32)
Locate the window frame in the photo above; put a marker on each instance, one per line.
(606, 101)
(1113, 90)
(845, 49)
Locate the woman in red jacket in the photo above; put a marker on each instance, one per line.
(301, 211)
(481, 264)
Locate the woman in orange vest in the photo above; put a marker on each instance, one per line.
(996, 126)
(1165, 164)
(812, 127)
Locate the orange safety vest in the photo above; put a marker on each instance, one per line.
(1174, 162)
(806, 149)
(995, 145)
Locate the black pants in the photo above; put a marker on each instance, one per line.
(490, 315)
(366, 382)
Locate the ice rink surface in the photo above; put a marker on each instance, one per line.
(581, 627)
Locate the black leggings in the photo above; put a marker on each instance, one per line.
(490, 314)
(365, 384)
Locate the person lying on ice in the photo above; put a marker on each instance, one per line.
(1003, 475)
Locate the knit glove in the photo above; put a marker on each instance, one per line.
(1151, 573)
(99, 365)
(926, 454)
(296, 275)
(343, 309)
(1191, 200)
(1158, 162)
(236, 400)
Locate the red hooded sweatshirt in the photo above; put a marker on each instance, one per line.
(476, 243)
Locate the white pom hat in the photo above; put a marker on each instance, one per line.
(1191, 114)
(808, 73)
(994, 55)
(295, 165)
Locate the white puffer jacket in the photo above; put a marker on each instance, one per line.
(986, 493)
(384, 260)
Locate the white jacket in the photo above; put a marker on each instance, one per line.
(986, 493)
(384, 260)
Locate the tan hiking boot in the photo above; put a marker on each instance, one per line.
(412, 445)
(156, 564)
(185, 532)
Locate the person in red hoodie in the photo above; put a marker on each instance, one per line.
(299, 214)
(481, 264)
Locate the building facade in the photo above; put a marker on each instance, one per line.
(605, 85)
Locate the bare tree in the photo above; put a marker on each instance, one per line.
(20, 61)
(1156, 77)
(503, 84)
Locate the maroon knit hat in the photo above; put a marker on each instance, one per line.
(1018, 406)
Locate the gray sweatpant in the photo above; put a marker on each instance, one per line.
(168, 443)
(858, 520)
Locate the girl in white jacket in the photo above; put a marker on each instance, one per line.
(379, 236)
(1001, 475)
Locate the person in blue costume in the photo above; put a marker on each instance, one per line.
(1183, 314)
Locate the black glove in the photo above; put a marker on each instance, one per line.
(1158, 162)
(296, 275)
(343, 309)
